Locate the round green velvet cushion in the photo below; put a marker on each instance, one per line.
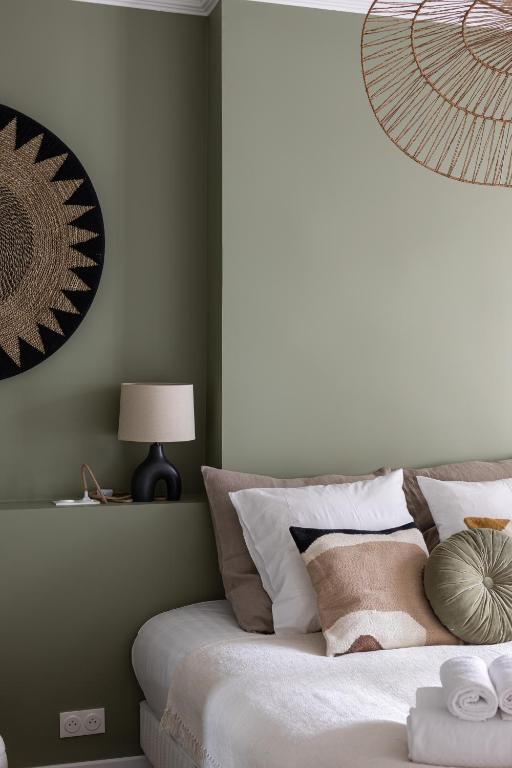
(468, 582)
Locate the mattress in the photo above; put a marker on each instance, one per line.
(160, 748)
(164, 641)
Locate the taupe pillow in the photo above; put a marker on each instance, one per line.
(251, 604)
(369, 587)
(468, 581)
(469, 471)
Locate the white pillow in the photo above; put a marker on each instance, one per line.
(450, 501)
(267, 514)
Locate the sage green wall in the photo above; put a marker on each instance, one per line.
(367, 310)
(214, 270)
(75, 586)
(127, 91)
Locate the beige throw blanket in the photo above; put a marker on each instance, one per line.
(279, 702)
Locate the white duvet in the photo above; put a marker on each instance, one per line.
(279, 702)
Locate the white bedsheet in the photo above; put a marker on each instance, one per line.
(166, 639)
(278, 702)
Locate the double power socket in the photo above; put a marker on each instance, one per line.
(84, 722)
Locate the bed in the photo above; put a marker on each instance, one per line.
(218, 697)
(161, 644)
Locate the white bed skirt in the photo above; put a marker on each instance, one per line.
(160, 748)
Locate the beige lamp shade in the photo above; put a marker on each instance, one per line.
(157, 413)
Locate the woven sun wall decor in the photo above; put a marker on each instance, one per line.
(51, 243)
(438, 74)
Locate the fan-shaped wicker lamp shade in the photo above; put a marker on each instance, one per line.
(438, 74)
(51, 243)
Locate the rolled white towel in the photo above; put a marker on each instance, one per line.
(500, 672)
(436, 738)
(467, 688)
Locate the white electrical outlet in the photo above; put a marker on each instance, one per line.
(83, 722)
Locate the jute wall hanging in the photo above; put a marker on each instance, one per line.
(438, 74)
(51, 243)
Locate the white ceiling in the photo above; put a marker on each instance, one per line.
(205, 7)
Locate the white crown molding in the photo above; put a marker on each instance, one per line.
(348, 6)
(191, 7)
(205, 7)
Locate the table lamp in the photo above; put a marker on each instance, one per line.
(156, 414)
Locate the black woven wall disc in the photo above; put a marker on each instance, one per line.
(52, 243)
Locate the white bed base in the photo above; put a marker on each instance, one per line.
(160, 748)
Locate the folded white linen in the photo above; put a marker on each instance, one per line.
(467, 688)
(276, 701)
(437, 738)
(500, 672)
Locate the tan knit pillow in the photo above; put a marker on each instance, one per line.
(370, 588)
(504, 525)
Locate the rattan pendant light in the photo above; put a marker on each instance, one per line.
(438, 74)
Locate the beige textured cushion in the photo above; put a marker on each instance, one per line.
(469, 471)
(244, 590)
(370, 588)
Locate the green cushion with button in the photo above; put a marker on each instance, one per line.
(468, 581)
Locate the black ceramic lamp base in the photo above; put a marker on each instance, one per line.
(154, 468)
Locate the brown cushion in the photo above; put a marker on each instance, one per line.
(244, 590)
(469, 471)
